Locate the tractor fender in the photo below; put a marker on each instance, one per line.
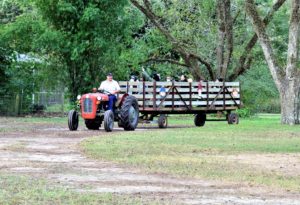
(121, 100)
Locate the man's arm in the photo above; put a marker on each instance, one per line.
(117, 86)
(101, 86)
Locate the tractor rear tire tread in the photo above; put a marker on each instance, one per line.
(124, 113)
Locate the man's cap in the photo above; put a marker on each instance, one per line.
(109, 74)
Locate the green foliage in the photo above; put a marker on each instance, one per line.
(76, 42)
(4, 63)
(259, 93)
(86, 37)
(244, 112)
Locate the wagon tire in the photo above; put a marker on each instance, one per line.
(129, 113)
(233, 118)
(93, 124)
(108, 120)
(73, 120)
(200, 119)
(163, 121)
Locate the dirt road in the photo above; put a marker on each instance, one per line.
(49, 151)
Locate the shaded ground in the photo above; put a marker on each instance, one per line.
(48, 150)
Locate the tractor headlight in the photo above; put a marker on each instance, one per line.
(99, 98)
(78, 97)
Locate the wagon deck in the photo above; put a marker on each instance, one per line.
(182, 97)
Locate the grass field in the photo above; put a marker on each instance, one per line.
(208, 152)
(24, 190)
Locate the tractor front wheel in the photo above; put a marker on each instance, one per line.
(129, 113)
(108, 121)
(73, 120)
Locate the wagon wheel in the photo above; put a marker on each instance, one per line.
(129, 113)
(73, 120)
(163, 121)
(108, 120)
(200, 119)
(233, 118)
(93, 124)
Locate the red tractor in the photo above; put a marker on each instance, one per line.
(93, 109)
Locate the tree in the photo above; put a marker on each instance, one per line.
(190, 59)
(287, 78)
(225, 37)
(85, 36)
(209, 36)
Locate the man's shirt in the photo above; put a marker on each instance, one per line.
(110, 86)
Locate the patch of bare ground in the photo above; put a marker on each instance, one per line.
(50, 152)
(285, 164)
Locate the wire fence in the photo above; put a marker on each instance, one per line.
(39, 103)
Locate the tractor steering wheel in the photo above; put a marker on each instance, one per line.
(104, 92)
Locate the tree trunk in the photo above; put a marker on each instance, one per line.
(221, 38)
(225, 37)
(288, 83)
(290, 103)
(194, 67)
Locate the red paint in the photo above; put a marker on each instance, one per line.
(93, 97)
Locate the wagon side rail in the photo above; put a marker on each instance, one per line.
(184, 96)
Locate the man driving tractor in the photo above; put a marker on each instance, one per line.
(112, 87)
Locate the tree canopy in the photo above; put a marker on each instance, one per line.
(73, 43)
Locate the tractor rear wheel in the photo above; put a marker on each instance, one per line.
(129, 113)
(108, 121)
(73, 120)
(200, 119)
(163, 121)
(233, 118)
(93, 124)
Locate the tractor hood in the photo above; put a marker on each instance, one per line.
(95, 96)
(89, 104)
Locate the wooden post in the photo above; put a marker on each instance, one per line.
(207, 94)
(224, 105)
(143, 95)
(154, 95)
(17, 104)
(190, 86)
(62, 103)
(172, 95)
(240, 92)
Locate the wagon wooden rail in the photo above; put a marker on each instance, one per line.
(161, 98)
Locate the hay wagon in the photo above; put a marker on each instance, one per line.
(159, 99)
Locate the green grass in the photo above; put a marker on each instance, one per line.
(24, 190)
(195, 151)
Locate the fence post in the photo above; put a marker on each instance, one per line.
(62, 103)
(17, 104)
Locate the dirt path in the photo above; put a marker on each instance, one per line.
(49, 151)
